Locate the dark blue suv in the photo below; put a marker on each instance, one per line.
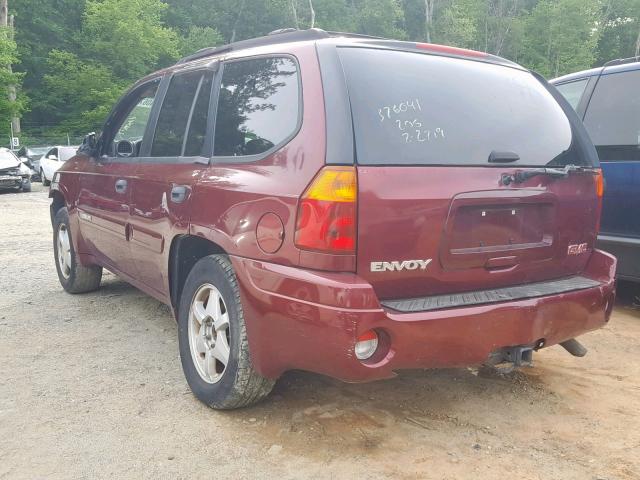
(607, 99)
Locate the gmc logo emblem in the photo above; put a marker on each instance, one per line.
(396, 265)
(577, 249)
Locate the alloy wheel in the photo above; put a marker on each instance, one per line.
(209, 335)
(64, 251)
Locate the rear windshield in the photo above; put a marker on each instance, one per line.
(418, 109)
(65, 153)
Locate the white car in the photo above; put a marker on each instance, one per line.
(53, 160)
(14, 173)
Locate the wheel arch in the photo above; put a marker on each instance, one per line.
(58, 201)
(184, 253)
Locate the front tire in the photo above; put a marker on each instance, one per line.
(26, 185)
(74, 277)
(212, 335)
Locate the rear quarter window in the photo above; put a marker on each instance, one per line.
(258, 106)
(418, 109)
(613, 115)
(573, 91)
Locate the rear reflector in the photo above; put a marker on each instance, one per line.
(327, 212)
(600, 194)
(599, 184)
(366, 345)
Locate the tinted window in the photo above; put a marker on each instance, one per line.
(411, 108)
(135, 122)
(172, 121)
(572, 91)
(613, 116)
(198, 123)
(257, 107)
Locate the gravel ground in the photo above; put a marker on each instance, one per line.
(91, 386)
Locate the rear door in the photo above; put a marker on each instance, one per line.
(167, 172)
(435, 139)
(106, 184)
(613, 122)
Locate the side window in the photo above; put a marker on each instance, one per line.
(198, 123)
(573, 91)
(66, 153)
(613, 116)
(257, 107)
(135, 122)
(128, 123)
(52, 153)
(173, 119)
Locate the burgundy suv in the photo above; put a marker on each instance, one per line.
(341, 204)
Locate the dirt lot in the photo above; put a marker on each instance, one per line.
(91, 386)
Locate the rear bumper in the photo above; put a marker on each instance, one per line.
(299, 319)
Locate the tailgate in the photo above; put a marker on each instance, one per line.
(429, 238)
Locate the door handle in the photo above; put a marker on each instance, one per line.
(179, 193)
(121, 186)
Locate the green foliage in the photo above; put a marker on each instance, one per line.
(620, 35)
(77, 56)
(198, 38)
(561, 36)
(379, 17)
(8, 56)
(84, 92)
(129, 36)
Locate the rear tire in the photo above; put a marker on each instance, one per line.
(45, 182)
(74, 277)
(212, 331)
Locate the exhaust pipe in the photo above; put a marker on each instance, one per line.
(574, 347)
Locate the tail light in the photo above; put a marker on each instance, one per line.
(366, 345)
(327, 212)
(599, 193)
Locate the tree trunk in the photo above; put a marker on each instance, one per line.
(294, 13)
(3, 13)
(7, 22)
(638, 44)
(313, 14)
(428, 18)
(235, 24)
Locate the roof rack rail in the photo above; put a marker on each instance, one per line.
(622, 61)
(282, 35)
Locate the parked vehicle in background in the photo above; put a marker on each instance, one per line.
(607, 99)
(31, 157)
(345, 205)
(13, 173)
(53, 160)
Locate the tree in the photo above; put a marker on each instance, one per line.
(561, 36)
(10, 105)
(129, 36)
(379, 17)
(84, 92)
(620, 30)
(198, 38)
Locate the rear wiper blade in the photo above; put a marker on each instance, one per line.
(524, 175)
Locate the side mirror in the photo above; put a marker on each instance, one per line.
(89, 145)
